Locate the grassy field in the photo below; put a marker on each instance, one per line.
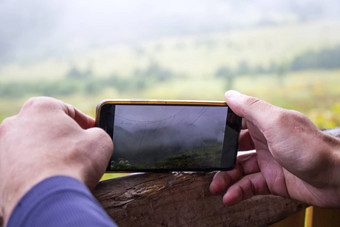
(314, 93)
(194, 56)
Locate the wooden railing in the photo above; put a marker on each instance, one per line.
(183, 199)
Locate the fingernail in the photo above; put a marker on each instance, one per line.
(232, 94)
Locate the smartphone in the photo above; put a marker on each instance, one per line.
(165, 135)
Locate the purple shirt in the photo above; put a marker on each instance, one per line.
(59, 201)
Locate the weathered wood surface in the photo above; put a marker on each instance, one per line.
(177, 199)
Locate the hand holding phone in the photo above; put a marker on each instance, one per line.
(170, 135)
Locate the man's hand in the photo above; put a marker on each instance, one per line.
(48, 138)
(293, 158)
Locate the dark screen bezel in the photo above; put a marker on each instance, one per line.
(105, 121)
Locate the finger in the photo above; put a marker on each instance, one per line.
(82, 119)
(248, 186)
(245, 164)
(48, 105)
(250, 108)
(245, 141)
(222, 180)
(248, 163)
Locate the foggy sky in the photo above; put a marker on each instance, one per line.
(33, 29)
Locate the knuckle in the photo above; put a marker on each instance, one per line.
(297, 116)
(281, 117)
(290, 117)
(70, 110)
(6, 124)
(277, 119)
(249, 104)
(33, 103)
(38, 103)
(290, 120)
(253, 101)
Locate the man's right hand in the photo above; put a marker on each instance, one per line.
(293, 158)
(49, 138)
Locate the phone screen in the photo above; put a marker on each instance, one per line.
(171, 137)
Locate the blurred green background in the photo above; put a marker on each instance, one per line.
(285, 52)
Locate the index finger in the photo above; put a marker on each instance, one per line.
(82, 119)
(44, 105)
(245, 165)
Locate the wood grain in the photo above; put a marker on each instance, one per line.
(183, 199)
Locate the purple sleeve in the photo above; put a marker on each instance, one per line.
(59, 201)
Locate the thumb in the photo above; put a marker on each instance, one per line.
(252, 109)
(100, 144)
(99, 150)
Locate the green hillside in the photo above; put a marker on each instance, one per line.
(259, 61)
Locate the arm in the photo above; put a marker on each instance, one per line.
(293, 158)
(59, 201)
(48, 138)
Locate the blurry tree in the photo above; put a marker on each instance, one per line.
(281, 72)
(139, 80)
(243, 68)
(271, 68)
(260, 70)
(139, 50)
(14, 89)
(322, 59)
(227, 74)
(155, 73)
(75, 73)
(119, 83)
(93, 87)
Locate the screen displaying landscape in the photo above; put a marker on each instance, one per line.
(168, 136)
